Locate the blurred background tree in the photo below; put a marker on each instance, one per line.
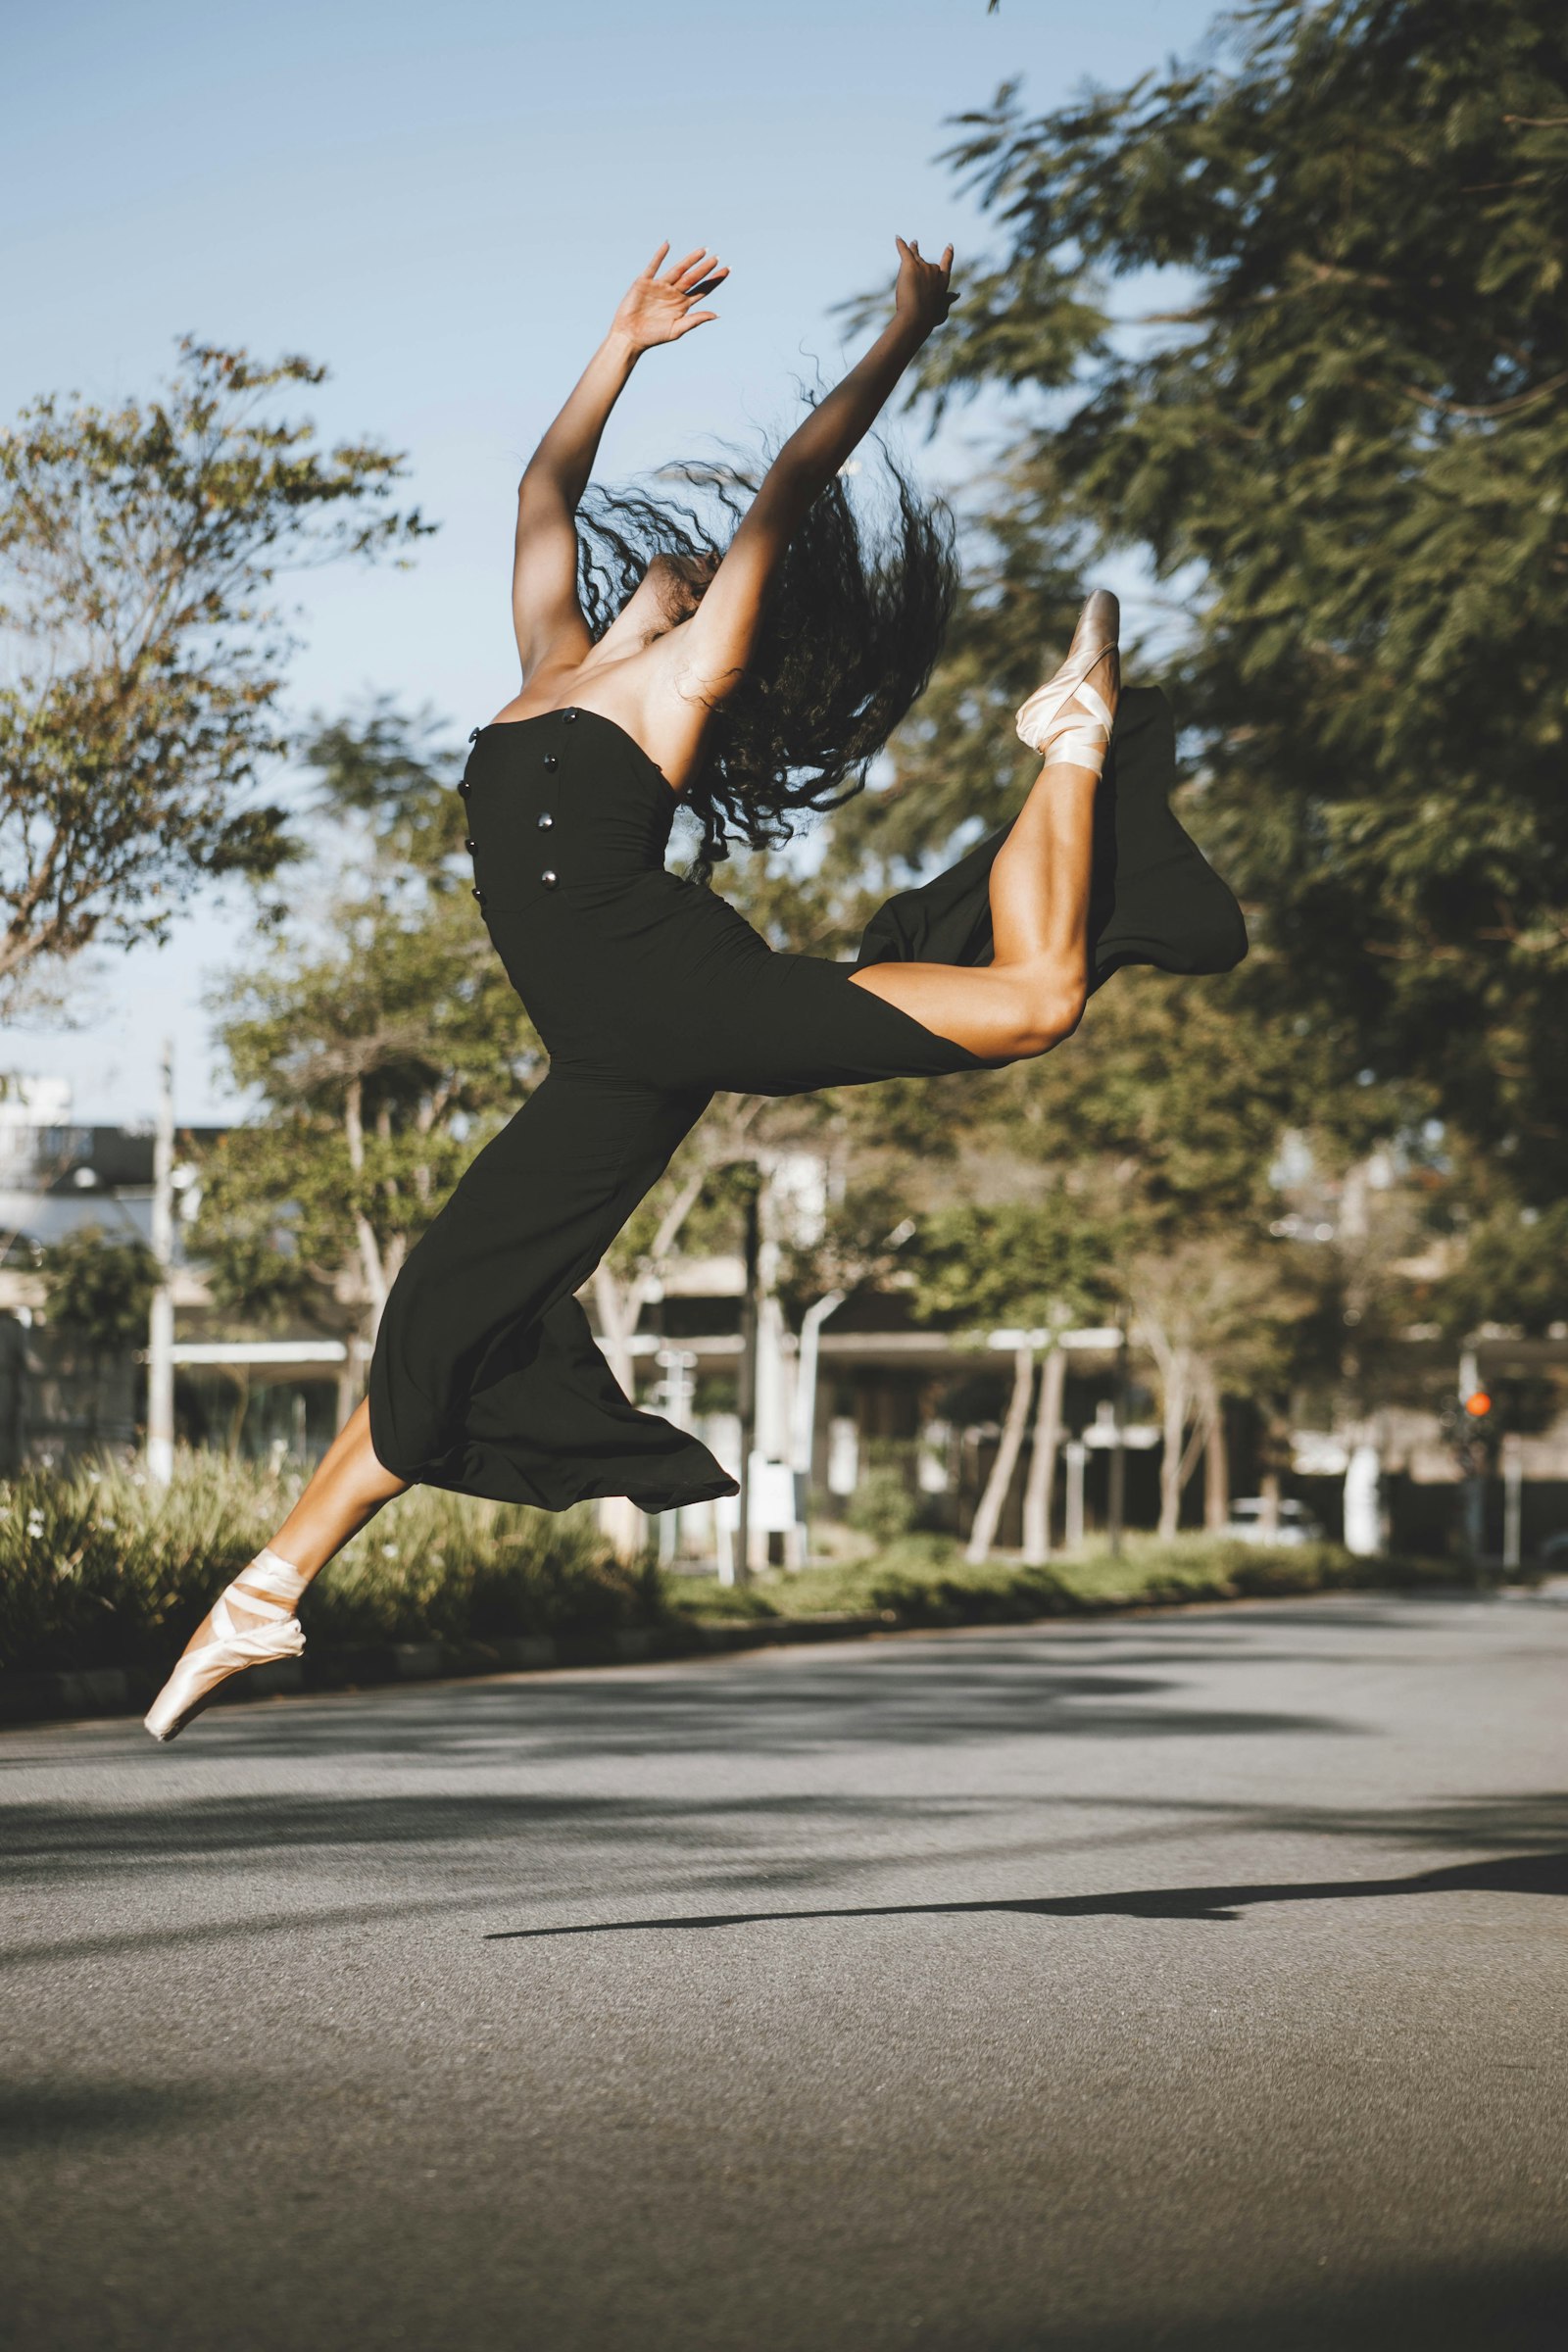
(97, 1289)
(376, 1031)
(1340, 441)
(140, 549)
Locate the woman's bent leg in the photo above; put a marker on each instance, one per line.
(1033, 994)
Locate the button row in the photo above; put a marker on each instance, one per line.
(550, 878)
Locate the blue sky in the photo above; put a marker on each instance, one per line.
(443, 203)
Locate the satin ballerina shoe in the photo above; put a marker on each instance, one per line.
(269, 1590)
(1068, 720)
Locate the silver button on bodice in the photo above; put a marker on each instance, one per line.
(550, 877)
(546, 820)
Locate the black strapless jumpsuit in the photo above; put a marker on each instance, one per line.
(651, 994)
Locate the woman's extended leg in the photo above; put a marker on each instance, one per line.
(1032, 994)
(252, 1619)
(347, 1489)
(485, 1374)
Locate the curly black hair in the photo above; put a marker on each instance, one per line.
(855, 621)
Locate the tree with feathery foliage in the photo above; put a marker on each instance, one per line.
(140, 549)
(1341, 440)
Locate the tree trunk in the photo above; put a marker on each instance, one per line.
(1175, 1386)
(1042, 1462)
(1217, 1470)
(373, 1267)
(237, 1421)
(988, 1518)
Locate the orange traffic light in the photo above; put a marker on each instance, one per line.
(1478, 1405)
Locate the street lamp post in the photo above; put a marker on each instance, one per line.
(1117, 1497)
(160, 1315)
(746, 1398)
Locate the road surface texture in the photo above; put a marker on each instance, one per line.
(1194, 1982)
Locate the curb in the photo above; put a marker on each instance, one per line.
(363, 1665)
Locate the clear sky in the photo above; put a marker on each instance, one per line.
(442, 203)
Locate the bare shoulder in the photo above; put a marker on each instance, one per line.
(648, 694)
(548, 686)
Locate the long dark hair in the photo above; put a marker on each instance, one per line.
(855, 620)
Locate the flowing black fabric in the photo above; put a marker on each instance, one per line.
(652, 993)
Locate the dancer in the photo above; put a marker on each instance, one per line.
(752, 677)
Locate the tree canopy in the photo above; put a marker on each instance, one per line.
(382, 1057)
(140, 548)
(1288, 324)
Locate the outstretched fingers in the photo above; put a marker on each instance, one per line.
(693, 281)
(686, 274)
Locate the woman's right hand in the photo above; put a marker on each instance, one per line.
(921, 298)
(657, 309)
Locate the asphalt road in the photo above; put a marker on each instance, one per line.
(1194, 1982)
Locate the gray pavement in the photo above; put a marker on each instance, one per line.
(1189, 1981)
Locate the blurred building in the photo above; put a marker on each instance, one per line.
(892, 1425)
(59, 1177)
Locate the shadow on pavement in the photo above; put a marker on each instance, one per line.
(1518, 2306)
(1513, 1874)
(1027, 1684)
(39, 2115)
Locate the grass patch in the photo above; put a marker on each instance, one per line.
(925, 1580)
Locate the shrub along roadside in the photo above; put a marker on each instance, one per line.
(99, 1569)
(925, 1580)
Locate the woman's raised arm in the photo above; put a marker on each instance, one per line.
(659, 307)
(717, 642)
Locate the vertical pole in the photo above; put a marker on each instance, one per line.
(746, 1400)
(1077, 1454)
(678, 1365)
(161, 1319)
(805, 1431)
(1513, 1499)
(1475, 1483)
(1116, 1502)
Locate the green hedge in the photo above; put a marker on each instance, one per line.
(100, 1568)
(925, 1580)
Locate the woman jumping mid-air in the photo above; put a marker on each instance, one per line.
(749, 679)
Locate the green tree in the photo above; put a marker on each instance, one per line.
(381, 1059)
(98, 1290)
(1036, 1266)
(139, 551)
(1341, 440)
(1513, 1271)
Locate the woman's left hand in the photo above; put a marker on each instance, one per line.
(657, 309)
(922, 297)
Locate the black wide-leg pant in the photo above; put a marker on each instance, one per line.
(652, 994)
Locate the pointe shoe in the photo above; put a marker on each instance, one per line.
(1067, 722)
(261, 1591)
